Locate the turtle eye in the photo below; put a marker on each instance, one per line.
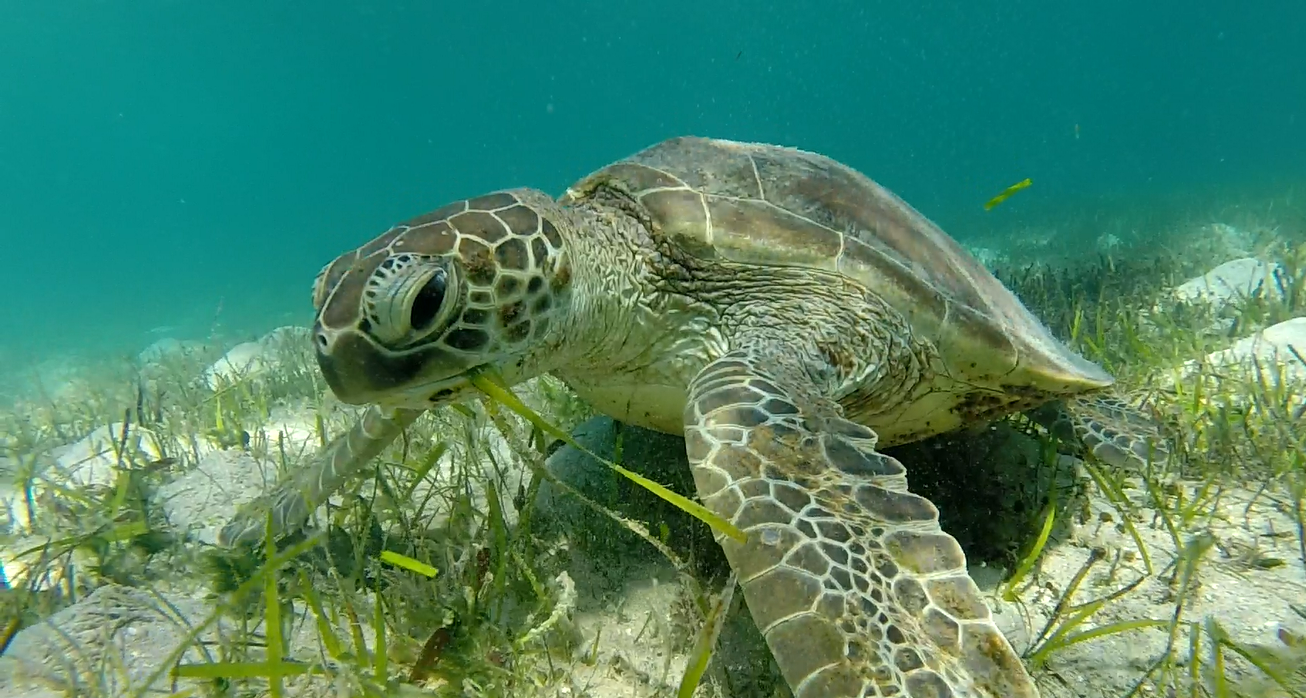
(426, 304)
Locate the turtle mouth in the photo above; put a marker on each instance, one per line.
(437, 393)
(448, 390)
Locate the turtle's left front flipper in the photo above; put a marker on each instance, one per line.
(847, 574)
(292, 500)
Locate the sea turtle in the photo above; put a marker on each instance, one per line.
(783, 312)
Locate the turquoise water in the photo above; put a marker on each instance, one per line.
(169, 167)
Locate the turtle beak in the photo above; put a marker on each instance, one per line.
(359, 372)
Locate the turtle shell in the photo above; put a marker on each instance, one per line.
(762, 204)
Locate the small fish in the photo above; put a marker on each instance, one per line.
(1006, 193)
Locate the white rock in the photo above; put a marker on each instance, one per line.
(93, 461)
(252, 359)
(241, 361)
(168, 347)
(159, 349)
(110, 643)
(14, 515)
(120, 641)
(1269, 352)
(50, 561)
(1233, 241)
(204, 499)
(295, 427)
(1232, 281)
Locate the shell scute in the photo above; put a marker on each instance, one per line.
(753, 231)
(770, 205)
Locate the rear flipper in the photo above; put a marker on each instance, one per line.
(1109, 428)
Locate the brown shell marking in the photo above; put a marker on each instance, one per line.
(764, 204)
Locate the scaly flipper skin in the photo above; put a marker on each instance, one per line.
(1109, 428)
(295, 497)
(848, 575)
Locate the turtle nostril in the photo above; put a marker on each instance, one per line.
(321, 340)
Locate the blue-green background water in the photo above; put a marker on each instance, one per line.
(169, 163)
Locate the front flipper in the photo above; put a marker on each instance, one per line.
(847, 574)
(292, 500)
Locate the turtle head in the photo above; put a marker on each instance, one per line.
(402, 320)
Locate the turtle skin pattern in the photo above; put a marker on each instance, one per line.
(847, 574)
